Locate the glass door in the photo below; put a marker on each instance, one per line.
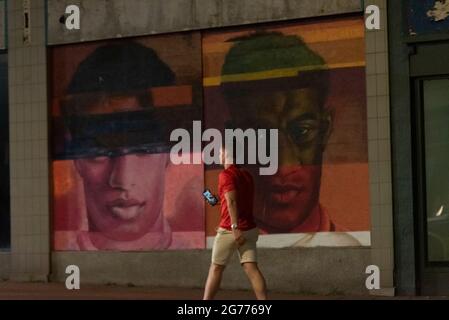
(432, 191)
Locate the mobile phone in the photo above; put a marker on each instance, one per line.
(210, 198)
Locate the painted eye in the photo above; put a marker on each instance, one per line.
(300, 132)
(304, 131)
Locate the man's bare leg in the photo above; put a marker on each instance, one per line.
(257, 280)
(213, 281)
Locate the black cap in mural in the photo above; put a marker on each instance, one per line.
(119, 70)
(121, 67)
(272, 61)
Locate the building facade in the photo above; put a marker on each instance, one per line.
(91, 111)
(419, 71)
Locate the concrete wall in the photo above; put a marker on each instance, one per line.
(3, 26)
(5, 257)
(379, 145)
(102, 19)
(307, 271)
(30, 223)
(5, 265)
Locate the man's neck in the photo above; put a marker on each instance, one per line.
(313, 222)
(228, 165)
(159, 237)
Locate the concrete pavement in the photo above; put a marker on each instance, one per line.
(52, 291)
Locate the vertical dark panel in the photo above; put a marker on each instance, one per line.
(404, 230)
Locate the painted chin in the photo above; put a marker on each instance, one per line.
(127, 213)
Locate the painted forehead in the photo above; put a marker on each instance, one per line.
(299, 100)
(114, 104)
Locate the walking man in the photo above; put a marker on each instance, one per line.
(237, 229)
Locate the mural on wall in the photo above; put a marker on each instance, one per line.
(428, 16)
(4, 155)
(114, 105)
(308, 81)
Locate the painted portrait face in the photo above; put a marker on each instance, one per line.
(114, 105)
(284, 200)
(124, 194)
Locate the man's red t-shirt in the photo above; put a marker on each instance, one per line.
(240, 181)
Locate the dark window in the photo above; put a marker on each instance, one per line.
(436, 144)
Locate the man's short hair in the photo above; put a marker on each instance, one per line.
(266, 51)
(120, 69)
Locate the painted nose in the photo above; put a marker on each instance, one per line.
(289, 152)
(124, 172)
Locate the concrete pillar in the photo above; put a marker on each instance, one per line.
(30, 234)
(379, 148)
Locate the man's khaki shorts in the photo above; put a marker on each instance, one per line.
(225, 246)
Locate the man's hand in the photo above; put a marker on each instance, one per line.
(238, 236)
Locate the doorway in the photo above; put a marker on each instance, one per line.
(432, 183)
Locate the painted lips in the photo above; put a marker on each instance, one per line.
(284, 194)
(126, 209)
